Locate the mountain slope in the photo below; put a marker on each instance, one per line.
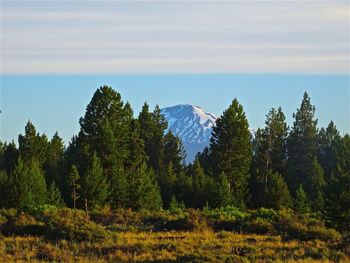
(192, 125)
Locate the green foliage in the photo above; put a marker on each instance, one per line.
(223, 194)
(53, 195)
(302, 144)
(175, 206)
(144, 191)
(338, 202)
(4, 189)
(94, 183)
(28, 186)
(301, 202)
(72, 225)
(73, 178)
(270, 156)
(32, 145)
(54, 160)
(231, 150)
(278, 195)
(318, 183)
(152, 127)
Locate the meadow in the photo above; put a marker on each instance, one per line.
(49, 234)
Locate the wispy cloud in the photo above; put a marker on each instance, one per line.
(174, 37)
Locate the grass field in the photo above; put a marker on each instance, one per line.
(65, 235)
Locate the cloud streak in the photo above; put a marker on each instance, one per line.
(174, 37)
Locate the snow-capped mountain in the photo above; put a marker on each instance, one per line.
(192, 125)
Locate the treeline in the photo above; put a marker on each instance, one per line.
(128, 162)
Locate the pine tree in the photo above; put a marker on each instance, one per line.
(104, 129)
(318, 184)
(199, 186)
(338, 193)
(302, 147)
(231, 150)
(167, 181)
(270, 154)
(136, 146)
(144, 192)
(4, 190)
(95, 187)
(119, 188)
(37, 185)
(223, 194)
(28, 185)
(174, 152)
(301, 203)
(54, 195)
(10, 157)
(54, 160)
(328, 142)
(32, 145)
(73, 182)
(278, 195)
(152, 128)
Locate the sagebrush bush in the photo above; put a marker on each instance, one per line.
(72, 225)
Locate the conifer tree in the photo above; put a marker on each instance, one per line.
(73, 182)
(174, 152)
(136, 146)
(301, 202)
(32, 145)
(223, 194)
(54, 195)
(10, 157)
(278, 195)
(54, 160)
(199, 186)
(119, 189)
(104, 129)
(338, 194)
(95, 187)
(144, 192)
(153, 126)
(318, 184)
(37, 184)
(302, 147)
(28, 185)
(231, 150)
(328, 143)
(270, 154)
(5, 188)
(167, 181)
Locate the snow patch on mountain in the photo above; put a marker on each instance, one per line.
(192, 124)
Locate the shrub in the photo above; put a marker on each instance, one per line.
(260, 226)
(72, 225)
(23, 224)
(269, 215)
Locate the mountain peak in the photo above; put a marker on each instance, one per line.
(192, 124)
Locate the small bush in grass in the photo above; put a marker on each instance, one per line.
(72, 225)
(260, 226)
(23, 224)
(269, 215)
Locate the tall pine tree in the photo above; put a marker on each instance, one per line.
(231, 150)
(94, 183)
(302, 147)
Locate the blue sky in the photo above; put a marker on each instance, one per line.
(54, 54)
(57, 102)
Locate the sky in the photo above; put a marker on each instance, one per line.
(55, 54)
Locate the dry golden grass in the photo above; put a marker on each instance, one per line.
(197, 246)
